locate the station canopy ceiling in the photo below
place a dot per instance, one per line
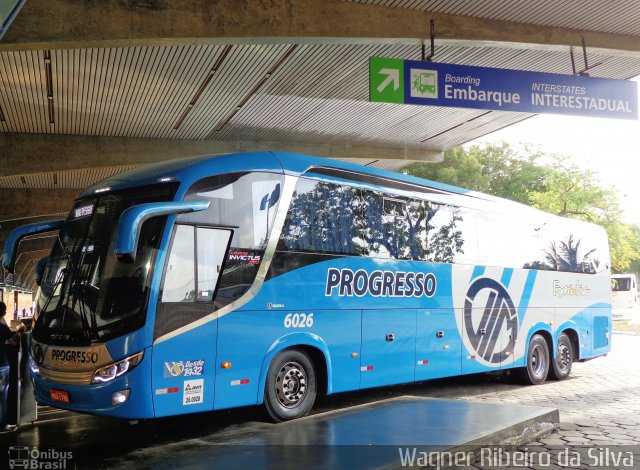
(69, 75)
(312, 91)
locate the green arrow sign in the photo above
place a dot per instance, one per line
(386, 80)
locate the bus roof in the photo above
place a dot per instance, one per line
(187, 171)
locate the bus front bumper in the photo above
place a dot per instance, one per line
(101, 399)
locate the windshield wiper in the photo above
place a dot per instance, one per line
(73, 286)
(91, 329)
(57, 283)
(78, 296)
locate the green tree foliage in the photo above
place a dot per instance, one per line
(635, 236)
(572, 192)
(459, 168)
(552, 183)
(492, 169)
(576, 193)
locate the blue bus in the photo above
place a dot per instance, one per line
(268, 278)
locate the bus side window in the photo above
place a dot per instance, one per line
(212, 248)
(179, 281)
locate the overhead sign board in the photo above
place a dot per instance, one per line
(8, 11)
(462, 86)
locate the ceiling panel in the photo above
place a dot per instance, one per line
(68, 179)
(318, 98)
(307, 93)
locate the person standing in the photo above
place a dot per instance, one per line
(5, 334)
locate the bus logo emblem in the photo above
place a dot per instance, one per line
(38, 354)
(499, 314)
(174, 369)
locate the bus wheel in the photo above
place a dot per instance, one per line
(291, 386)
(537, 369)
(561, 367)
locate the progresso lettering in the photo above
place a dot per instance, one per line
(82, 357)
(346, 283)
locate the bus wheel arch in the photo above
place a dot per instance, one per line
(575, 342)
(565, 355)
(538, 358)
(320, 366)
(313, 345)
(291, 385)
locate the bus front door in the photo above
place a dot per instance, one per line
(185, 329)
(183, 374)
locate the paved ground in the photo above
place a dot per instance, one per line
(599, 409)
(599, 406)
(600, 402)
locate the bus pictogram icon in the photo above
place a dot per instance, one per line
(19, 457)
(424, 83)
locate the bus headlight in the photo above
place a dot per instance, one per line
(33, 366)
(110, 372)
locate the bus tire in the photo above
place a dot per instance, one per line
(537, 368)
(561, 366)
(290, 389)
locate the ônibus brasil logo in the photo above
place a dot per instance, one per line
(498, 315)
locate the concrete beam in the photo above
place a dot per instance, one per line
(18, 203)
(34, 153)
(54, 24)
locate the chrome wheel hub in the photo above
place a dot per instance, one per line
(291, 385)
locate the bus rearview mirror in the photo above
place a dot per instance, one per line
(131, 220)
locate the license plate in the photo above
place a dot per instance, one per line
(60, 395)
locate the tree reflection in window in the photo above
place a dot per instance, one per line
(568, 256)
(323, 218)
(338, 219)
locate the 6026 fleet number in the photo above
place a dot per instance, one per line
(298, 320)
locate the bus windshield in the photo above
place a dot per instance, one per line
(87, 295)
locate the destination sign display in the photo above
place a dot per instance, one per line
(462, 86)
